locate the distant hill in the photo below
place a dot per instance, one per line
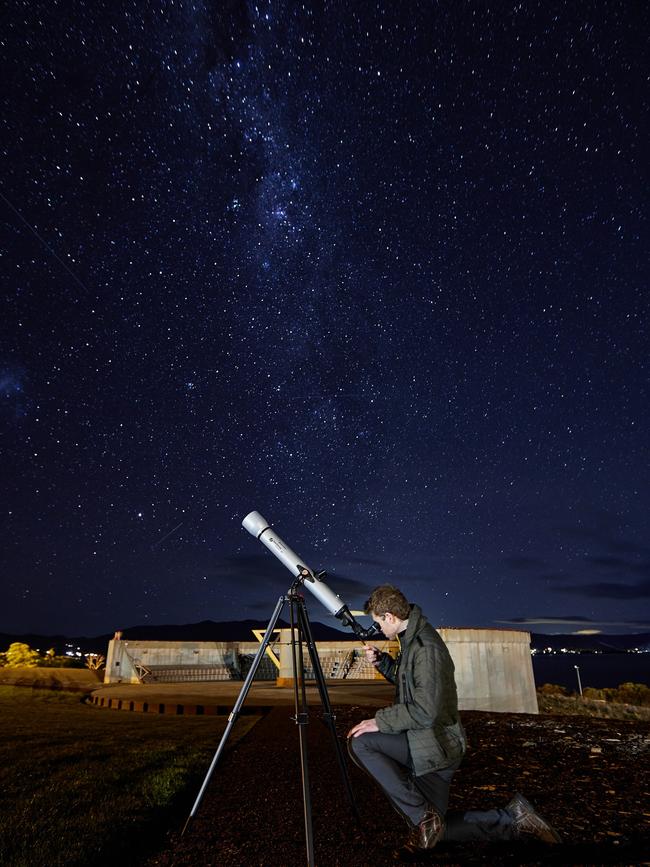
(228, 630)
(206, 630)
(60, 643)
(242, 630)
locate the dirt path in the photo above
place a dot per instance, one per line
(589, 777)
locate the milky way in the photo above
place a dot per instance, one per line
(375, 270)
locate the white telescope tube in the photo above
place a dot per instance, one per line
(259, 527)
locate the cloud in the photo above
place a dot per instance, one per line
(261, 569)
(368, 561)
(608, 562)
(567, 619)
(605, 535)
(575, 620)
(343, 585)
(524, 563)
(609, 590)
(610, 543)
(263, 605)
(620, 565)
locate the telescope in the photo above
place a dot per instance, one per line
(300, 634)
(260, 528)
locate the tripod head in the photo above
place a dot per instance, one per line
(259, 527)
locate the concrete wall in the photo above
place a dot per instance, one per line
(494, 668)
(129, 661)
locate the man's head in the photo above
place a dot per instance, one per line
(389, 607)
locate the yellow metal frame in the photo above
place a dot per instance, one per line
(259, 634)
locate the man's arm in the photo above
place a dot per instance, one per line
(386, 665)
(383, 662)
(420, 706)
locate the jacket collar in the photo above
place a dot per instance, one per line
(416, 621)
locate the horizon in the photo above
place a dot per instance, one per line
(342, 630)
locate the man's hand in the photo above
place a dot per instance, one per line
(366, 725)
(372, 653)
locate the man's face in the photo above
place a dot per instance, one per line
(390, 625)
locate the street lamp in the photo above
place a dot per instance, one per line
(578, 676)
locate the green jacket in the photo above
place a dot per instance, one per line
(426, 704)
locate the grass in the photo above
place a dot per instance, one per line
(577, 706)
(51, 678)
(81, 786)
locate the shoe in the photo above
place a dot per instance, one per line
(528, 823)
(425, 835)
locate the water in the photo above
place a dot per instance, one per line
(596, 669)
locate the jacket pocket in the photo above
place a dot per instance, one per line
(427, 752)
(452, 740)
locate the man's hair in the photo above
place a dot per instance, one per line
(387, 599)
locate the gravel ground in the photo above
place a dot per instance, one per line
(588, 777)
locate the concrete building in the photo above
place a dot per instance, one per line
(494, 669)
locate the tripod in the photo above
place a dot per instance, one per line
(300, 633)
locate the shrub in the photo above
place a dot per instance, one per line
(60, 662)
(95, 661)
(594, 694)
(553, 689)
(631, 693)
(21, 654)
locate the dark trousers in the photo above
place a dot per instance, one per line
(386, 758)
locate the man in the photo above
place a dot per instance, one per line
(413, 747)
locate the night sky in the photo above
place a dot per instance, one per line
(377, 270)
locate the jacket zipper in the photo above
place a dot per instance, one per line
(403, 690)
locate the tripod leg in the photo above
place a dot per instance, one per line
(328, 716)
(302, 718)
(232, 719)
